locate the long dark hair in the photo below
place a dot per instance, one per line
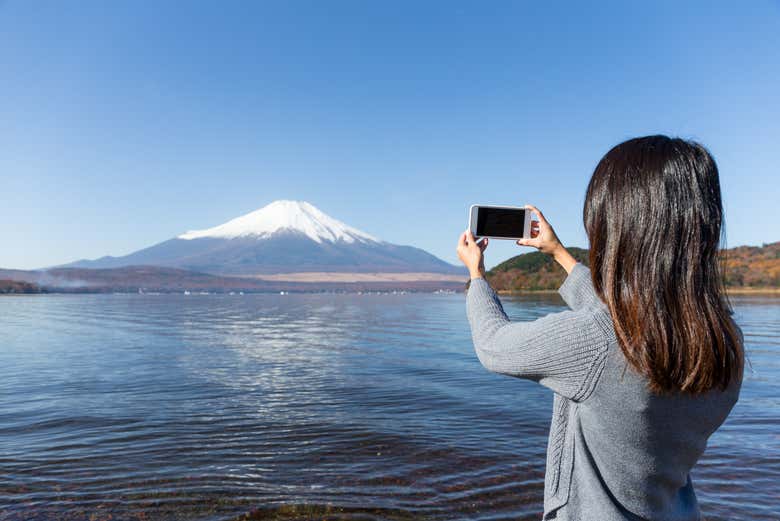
(653, 215)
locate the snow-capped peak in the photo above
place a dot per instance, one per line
(284, 215)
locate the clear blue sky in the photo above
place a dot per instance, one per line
(123, 124)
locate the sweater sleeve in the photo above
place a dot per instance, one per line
(563, 351)
(577, 290)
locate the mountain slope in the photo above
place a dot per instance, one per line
(282, 237)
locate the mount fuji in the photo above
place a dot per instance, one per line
(283, 237)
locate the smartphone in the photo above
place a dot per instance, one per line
(500, 222)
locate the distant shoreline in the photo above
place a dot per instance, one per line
(350, 277)
(753, 291)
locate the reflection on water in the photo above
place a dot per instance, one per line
(307, 406)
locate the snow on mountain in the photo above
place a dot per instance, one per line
(282, 237)
(284, 215)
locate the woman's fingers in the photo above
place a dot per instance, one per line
(537, 212)
(468, 240)
(535, 229)
(470, 251)
(533, 243)
(463, 248)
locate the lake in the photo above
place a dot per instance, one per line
(220, 407)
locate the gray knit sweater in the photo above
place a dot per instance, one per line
(616, 451)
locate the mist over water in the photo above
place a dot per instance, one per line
(308, 406)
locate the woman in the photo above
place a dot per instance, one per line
(648, 362)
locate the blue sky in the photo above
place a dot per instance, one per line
(123, 124)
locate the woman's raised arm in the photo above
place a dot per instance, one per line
(563, 351)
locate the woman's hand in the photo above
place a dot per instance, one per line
(544, 239)
(543, 236)
(470, 253)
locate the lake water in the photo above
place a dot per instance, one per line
(169, 407)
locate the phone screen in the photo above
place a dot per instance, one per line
(500, 222)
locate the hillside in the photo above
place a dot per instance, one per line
(745, 267)
(532, 271)
(9, 287)
(753, 266)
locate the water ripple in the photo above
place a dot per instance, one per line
(307, 407)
